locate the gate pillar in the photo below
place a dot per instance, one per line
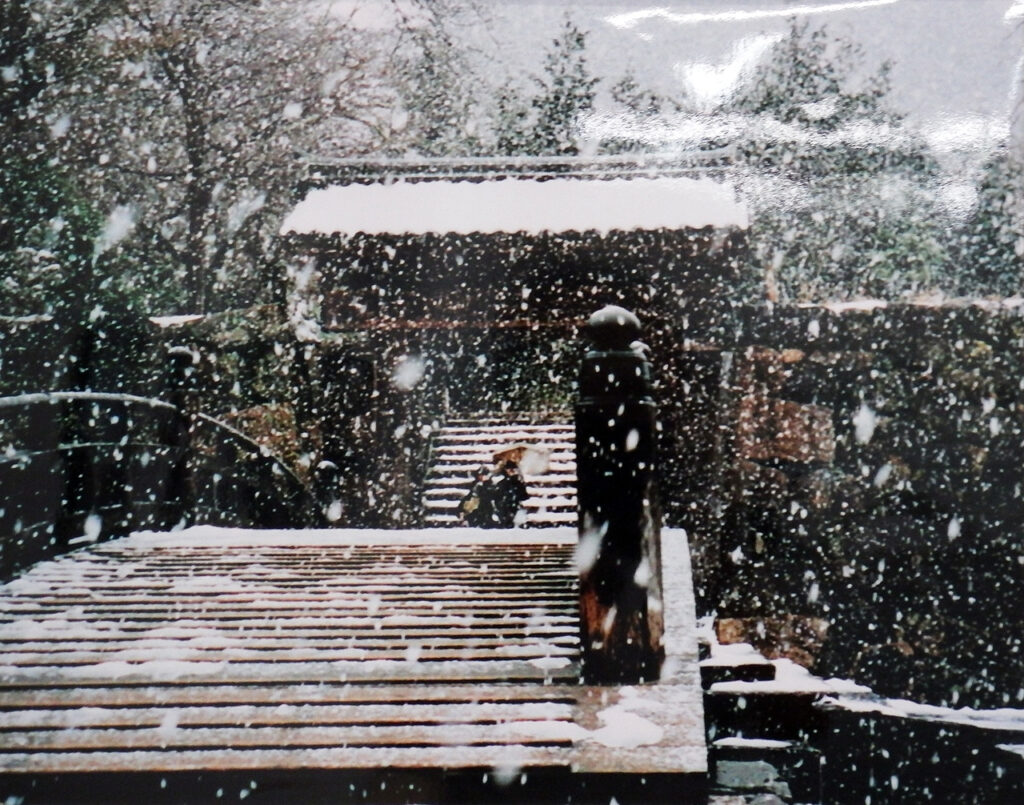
(618, 554)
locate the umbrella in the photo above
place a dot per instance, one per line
(533, 459)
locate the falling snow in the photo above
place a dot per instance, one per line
(268, 270)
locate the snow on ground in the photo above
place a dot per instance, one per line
(1003, 719)
(751, 743)
(789, 677)
(173, 321)
(792, 678)
(844, 693)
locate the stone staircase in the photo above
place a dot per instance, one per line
(462, 445)
(778, 735)
(763, 733)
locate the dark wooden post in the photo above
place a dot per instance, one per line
(182, 369)
(619, 525)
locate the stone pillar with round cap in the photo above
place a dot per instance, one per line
(619, 524)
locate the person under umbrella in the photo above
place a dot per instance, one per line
(477, 506)
(509, 494)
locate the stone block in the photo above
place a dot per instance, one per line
(770, 429)
(794, 637)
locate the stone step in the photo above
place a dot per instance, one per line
(459, 484)
(534, 519)
(482, 454)
(774, 715)
(463, 445)
(919, 752)
(563, 472)
(540, 420)
(503, 430)
(550, 504)
(479, 446)
(537, 488)
(740, 666)
(444, 460)
(744, 766)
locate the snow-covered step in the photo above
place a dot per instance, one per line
(485, 453)
(509, 422)
(495, 434)
(460, 476)
(537, 519)
(559, 503)
(483, 443)
(463, 445)
(464, 469)
(534, 488)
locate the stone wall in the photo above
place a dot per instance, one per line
(861, 467)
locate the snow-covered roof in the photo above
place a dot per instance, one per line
(518, 205)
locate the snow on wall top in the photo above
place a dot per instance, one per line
(517, 205)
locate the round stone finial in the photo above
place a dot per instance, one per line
(613, 328)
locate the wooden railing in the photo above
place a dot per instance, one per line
(77, 467)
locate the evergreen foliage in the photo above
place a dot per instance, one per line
(566, 92)
(46, 239)
(434, 83)
(547, 123)
(835, 214)
(816, 79)
(989, 250)
(643, 113)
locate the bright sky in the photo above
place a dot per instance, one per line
(956, 63)
(679, 17)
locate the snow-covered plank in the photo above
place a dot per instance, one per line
(541, 583)
(550, 732)
(212, 613)
(354, 583)
(163, 569)
(274, 589)
(347, 758)
(297, 694)
(679, 608)
(467, 712)
(208, 642)
(30, 627)
(372, 597)
(644, 729)
(178, 672)
(150, 674)
(404, 651)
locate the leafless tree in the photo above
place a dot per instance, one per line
(190, 121)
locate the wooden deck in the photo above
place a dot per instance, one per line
(216, 651)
